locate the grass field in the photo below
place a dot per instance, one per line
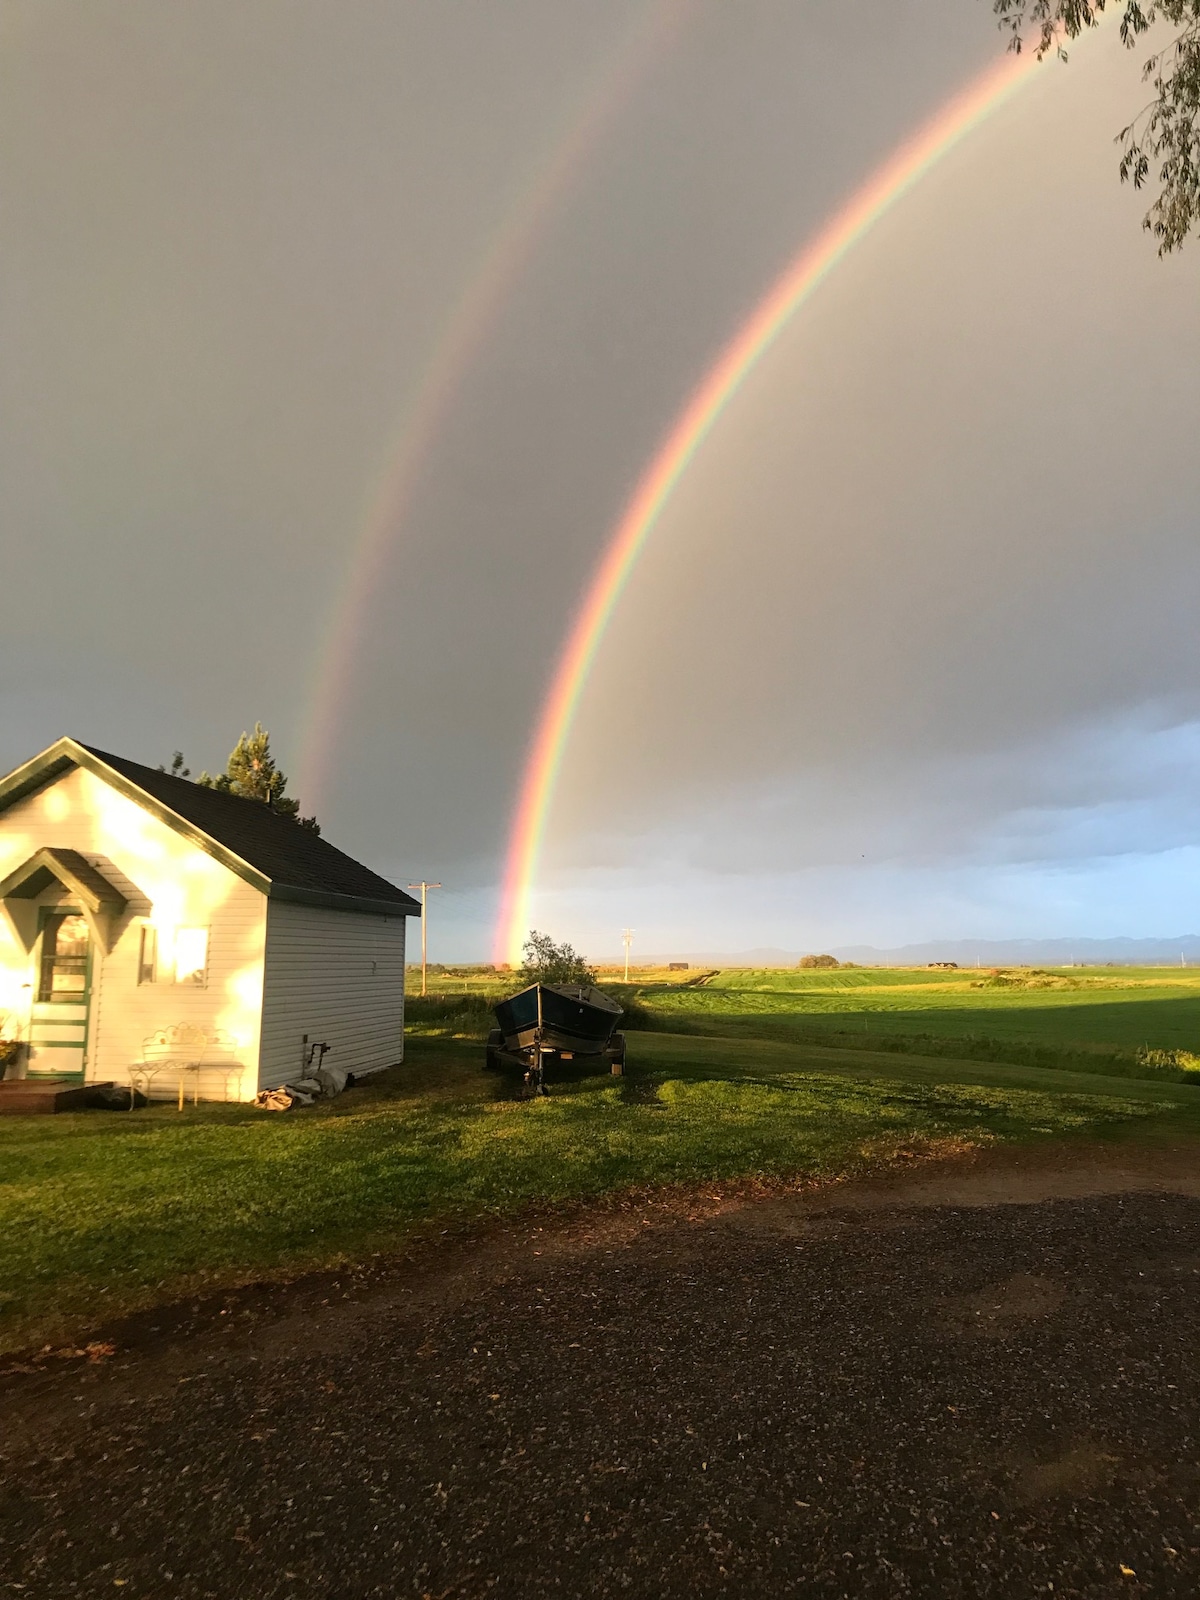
(1132, 1016)
(1074, 1007)
(1142, 1022)
(748, 1076)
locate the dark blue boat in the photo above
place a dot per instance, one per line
(551, 1023)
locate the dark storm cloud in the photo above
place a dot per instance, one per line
(925, 604)
(228, 232)
(231, 233)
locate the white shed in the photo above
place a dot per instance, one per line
(138, 909)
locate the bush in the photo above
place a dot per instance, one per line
(634, 1014)
(469, 1014)
(547, 962)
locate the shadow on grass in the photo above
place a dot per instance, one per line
(1139, 1043)
(116, 1211)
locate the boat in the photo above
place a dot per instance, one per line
(548, 1024)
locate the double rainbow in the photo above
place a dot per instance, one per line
(887, 185)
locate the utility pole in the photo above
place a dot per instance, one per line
(424, 888)
(626, 940)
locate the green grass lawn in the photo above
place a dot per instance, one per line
(103, 1213)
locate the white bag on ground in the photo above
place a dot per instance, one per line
(323, 1084)
(273, 1100)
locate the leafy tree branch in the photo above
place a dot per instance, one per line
(548, 962)
(1161, 143)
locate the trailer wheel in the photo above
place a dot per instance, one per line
(616, 1055)
(491, 1060)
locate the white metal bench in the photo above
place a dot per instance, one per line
(184, 1048)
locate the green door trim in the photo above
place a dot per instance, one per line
(36, 1023)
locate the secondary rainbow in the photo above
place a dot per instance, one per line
(888, 184)
(463, 333)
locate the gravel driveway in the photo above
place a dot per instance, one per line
(915, 1387)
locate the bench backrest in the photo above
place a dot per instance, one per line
(188, 1045)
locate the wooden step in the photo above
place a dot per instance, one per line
(34, 1097)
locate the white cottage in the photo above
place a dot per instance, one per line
(139, 910)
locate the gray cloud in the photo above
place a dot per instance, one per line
(948, 533)
(924, 606)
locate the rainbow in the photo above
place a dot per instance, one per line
(887, 185)
(463, 332)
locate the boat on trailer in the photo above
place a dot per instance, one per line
(549, 1024)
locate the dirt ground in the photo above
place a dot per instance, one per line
(979, 1377)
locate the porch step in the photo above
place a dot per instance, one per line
(32, 1097)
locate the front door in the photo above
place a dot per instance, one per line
(58, 1025)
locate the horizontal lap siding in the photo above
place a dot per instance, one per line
(170, 882)
(227, 1004)
(337, 976)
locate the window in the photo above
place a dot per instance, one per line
(191, 956)
(148, 959)
(63, 976)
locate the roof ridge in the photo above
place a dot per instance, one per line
(269, 849)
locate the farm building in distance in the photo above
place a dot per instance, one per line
(151, 927)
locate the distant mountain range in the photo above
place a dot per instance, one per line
(966, 952)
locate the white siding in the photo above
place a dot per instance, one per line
(337, 976)
(169, 883)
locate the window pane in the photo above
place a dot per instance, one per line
(71, 939)
(191, 955)
(148, 960)
(64, 958)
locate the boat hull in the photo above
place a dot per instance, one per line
(565, 1020)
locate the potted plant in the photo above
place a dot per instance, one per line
(10, 1045)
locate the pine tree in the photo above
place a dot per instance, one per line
(252, 773)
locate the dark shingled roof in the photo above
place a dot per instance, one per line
(281, 850)
(296, 863)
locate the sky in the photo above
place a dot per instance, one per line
(911, 653)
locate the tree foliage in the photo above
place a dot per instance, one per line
(827, 962)
(252, 773)
(1162, 143)
(548, 962)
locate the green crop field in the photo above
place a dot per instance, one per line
(1090, 1008)
(1067, 1014)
